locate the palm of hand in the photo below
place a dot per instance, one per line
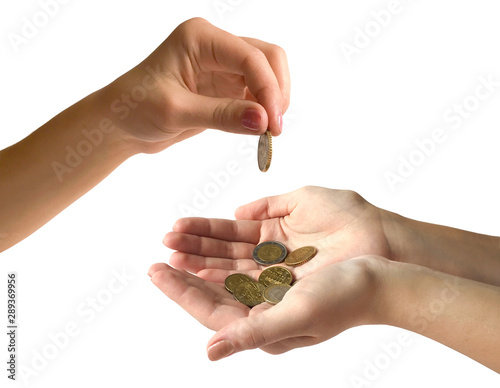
(340, 224)
(159, 120)
(303, 317)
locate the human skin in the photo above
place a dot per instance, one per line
(199, 77)
(459, 313)
(404, 291)
(341, 224)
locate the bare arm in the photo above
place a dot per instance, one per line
(457, 252)
(55, 165)
(200, 77)
(459, 313)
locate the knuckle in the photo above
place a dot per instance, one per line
(170, 108)
(277, 52)
(308, 189)
(253, 59)
(218, 114)
(191, 24)
(223, 115)
(251, 338)
(353, 196)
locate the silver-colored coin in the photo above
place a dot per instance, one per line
(269, 252)
(275, 293)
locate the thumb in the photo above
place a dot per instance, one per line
(227, 114)
(267, 208)
(250, 333)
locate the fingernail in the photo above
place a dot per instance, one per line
(280, 121)
(220, 350)
(250, 119)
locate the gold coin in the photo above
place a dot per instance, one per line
(236, 278)
(249, 293)
(269, 252)
(265, 151)
(275, 275)
(300, 256)
(275, 293)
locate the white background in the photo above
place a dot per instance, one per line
(347, 125)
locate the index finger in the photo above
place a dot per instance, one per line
(220, 50)
(227, 230)
(276, 57)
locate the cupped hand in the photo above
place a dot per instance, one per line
(201, 77)
(318, 307)
(340, 224)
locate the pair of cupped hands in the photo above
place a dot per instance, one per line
(337, 289)
(212, 79)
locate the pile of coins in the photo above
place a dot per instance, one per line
(273, 282)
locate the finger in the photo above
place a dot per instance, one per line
(219, 50)
(197, 297)
(228, 230)
(258, 330)
(155, 268)
(267, 208)
(227, 114)
(289, 344)
(276, 57)
(206, 246)
(219, 275)
(196, 263)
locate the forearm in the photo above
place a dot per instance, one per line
(55, 165)
(454, 251)
(459, 313)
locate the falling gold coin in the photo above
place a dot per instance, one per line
(300, 256)
(265, 151)
(236, 278)
(249, 293)
(275, 293)
(275, 275)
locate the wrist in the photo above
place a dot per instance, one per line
(405, 237)
(109, 120)
(412, 297)
(102, 127)
(142, 110)
(454, 311)
(400, 288)
(376, 277)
